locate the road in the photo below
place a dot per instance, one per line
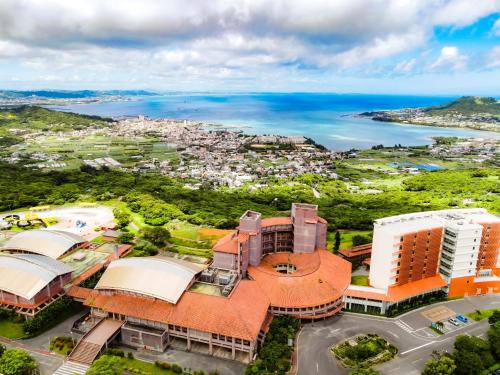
(408, 332)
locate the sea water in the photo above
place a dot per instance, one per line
(329, 119)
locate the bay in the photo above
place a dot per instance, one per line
(329, 119)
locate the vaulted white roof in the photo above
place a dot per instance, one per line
(51, 243)
(27, 274)
(159, 277)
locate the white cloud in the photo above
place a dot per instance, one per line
(496, 27)
(450, 58)
(493, 58)
(228, 39)
(405, 66)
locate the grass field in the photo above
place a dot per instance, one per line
(483, 314)
(346, 237)
(11, 330)
(361, 280)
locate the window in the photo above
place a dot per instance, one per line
(399, 263)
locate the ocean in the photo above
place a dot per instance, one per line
(329, 119)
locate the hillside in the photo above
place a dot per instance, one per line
(28, 119)
(467, 105)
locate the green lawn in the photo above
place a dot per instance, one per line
(361, 280)
(11, 330)
(346, 237)
(483, 314)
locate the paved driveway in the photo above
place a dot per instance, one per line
(409, 333)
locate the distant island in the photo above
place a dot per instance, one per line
(65, 97)
(471, 112)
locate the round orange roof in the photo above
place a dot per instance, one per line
(319, 278)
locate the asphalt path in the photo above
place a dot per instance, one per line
(409, 333)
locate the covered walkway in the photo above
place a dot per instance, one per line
(97, 339)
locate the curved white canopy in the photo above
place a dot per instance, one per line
(27, 274)
(51, 243)
(159, 277)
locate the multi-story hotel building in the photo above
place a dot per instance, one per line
(455, 251)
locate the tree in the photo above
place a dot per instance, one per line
(122, 218)
(17, 362)
(468, 363)
(477, 345)
(106, 365)
(126, 237)
(495, 317)
(360, 240)
(158, 236)
(494, 339)
(336, 244)
(364, 371)
(439, 364)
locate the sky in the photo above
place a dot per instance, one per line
(423, 47)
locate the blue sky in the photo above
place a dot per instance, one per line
(437, 47)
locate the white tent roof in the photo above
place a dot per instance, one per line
(159, 277)
(51, 243)
(26, 274)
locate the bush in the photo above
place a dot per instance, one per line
(130, 355)
(17, 362)
(176, 368)
(163, 365)
(126, 237)
(115, 352)
(50, 316)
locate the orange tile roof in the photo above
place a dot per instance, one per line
(79, 292)
(401, 292)
(243, 237)
(367, 294)
(321, 277)
(356, 250)
(413, 288)
(242, 315)
(227, 244)
(285, 220)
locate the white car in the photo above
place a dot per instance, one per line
(454, 321)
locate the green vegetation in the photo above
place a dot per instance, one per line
(52, 315)
(440, 364)
(116, 363)
(468, 105)
(359, 280)
(11, 324)
(62, 344)
(472, 355)
(364, 351)
(28, 119)
(17, 362)
(482, 314)
(274, 356)
(92, 281)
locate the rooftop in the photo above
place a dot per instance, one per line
(27, 274)
(51, 243)
(319, 277)
(241, 315)
(159, 277)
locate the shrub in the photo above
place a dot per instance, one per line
(176, 368)
(115, 352)
(130, 355)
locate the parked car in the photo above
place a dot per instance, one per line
(462, 318)
(454, 321)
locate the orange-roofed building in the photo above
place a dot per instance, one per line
(450, 252)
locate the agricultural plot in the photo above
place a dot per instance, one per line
(127, 151)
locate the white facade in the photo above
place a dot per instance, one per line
(459, 249)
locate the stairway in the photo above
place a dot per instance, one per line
(71, 368)
(85, 352)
